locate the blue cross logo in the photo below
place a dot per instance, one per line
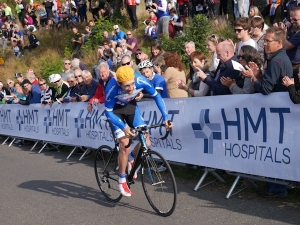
(201, 131)
(20, 120)
(79, 123)
(48, 121)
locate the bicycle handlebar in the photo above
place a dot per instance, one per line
(145, 128)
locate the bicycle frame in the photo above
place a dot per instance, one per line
(143, 149)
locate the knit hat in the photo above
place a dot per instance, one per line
(124, 74)
(25, 81)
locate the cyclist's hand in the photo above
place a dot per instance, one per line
(139, 96)
(168, 124)
(128, 132)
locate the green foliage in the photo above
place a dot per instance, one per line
(196, 30)
(97, 37)
(50, 66)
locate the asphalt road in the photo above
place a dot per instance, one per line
(48, 189)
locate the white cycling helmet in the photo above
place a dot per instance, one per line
(145, 64)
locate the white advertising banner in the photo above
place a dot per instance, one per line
(253, 134)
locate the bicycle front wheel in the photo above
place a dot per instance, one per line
(105, 166)
(159, 183)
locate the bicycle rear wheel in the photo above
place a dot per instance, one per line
(105, 166)
(159, 183)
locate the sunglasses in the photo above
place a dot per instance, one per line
(128, 34)
(126, 64)
(9, 83)
(42, 84)
(240, 57)
(238, 30)
(77, 76)
(138, 53)
(56, 81)
(67, 63)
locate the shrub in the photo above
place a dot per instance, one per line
(196, 30)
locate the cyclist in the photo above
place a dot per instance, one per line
(158, 81)
(121, 95)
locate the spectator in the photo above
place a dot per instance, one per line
(19, 77)
(3, 37)
(11, 85)
(33, 94)
(22, 7)
(160, 66)
(258, 35)
(67, 69)
(118, 37)
(150, 30)
(81, 6)
(18, 36)
(28, 21)
(292, 88)
(189, 48)
(163, 17)
(48, 7)
(72, 92)
(278, 64)
(156, 53)
(140, 56)
(152, 17)
(104, 77)
(157, 81)
(176, 21)
(196, 87)
(62, 19)
(104, 54)
(132, 42)
(254, 13)
(77, 64)
(271, 10)
(3, 90)
(241, 8)
(42, 14)
(105, 12)
(8, 13)
(89, 88)
(19, 94)
(223, 8)
(60, 86)
(16, 49)
(242, 28)
(18, 10)
(225, 52)
(33, 41)
(174, 70)
(80, 83)
(211, 45)
(107, 36)
(127, 61)
(77, 40)
(30, 75)
(94, 8)
(293, 43)
(122, 51)
(247, 54)
(131, 10)
(48, 94)
(73, 19)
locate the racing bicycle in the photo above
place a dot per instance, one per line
(156, 175)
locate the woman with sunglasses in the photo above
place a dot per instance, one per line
(140, 56)
(48, 94)
(244, 85)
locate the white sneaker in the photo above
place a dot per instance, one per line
(124, 189)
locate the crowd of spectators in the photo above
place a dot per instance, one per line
(269, 59)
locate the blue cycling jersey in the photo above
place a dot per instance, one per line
(114, 94)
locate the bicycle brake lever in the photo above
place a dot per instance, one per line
(167, 133)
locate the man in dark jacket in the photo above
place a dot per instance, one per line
(278, 64)
(33, 93)
(225, 52)
(33, 41)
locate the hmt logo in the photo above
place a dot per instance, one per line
(207, 131)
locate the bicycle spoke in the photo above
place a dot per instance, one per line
(105, 170)
(159, 183)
